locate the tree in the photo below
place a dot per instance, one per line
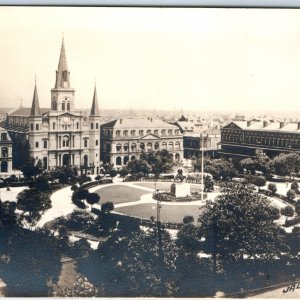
(138, 168)
(286, 164)
(188, 219)
(92, 198)
(239, 224)
(272, 188)
(249, 165)
(107, 207)
(295, 186)
(33, 203)
(208, 184)
(220, 169)
(259, 181)
(131, 265)
(8, 215)
(113, 173)
(31, 169)
(291, 195)
(123, 173)
(160, 161)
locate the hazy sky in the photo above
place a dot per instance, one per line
(163, 58)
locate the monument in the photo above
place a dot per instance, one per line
(180, 189)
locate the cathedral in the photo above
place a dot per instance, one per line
(60, 135)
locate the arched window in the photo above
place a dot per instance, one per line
(96, 142)
(68, 106)
(31, 126)
(125, 147)
(4, 152)
(177, 156)
(63, 105)
(156, 146)
(118, 161)
(119, 147)
(164, 145)
(149, 146)
(85, 143)
(45, 144)
(65, 141)
(126, 159)
(133, 147)
(142, 146)
(177, 145)
(171, 146)
(54, 105)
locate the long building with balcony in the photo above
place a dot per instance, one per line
(250, 138)
(5, 152)
(123, 140)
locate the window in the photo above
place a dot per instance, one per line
(54, 125)
(92, 125)
(141, 132)
(142, 146)
(163, 132)
(149, 146)
(171, 146)
(156, 146)
(3, 136)
(176, 131)
(97, 125)
(45, 144)
(164, 145)
(125, 147)
(85, 143)
(177, 145)
(133, 147)
(148, 131)
(37, 126)
(118, 161)
(119, 147)
(68, 106)
(132, 132)
(96, 142)
(31, 126)
(77, 125)
(156, 132)
(63, 105)
(36, 144)
(125, 133)
(4, 152)
(54, 105)
(170, 132)
(118, 133)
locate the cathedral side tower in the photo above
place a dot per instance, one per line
(94, 132)
(62, 95)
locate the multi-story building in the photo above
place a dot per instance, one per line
(60, 135)
(5, 152)
(249, 138)
(125, 139)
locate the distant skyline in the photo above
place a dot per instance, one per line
(155, 58)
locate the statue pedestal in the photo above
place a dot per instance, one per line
(180, 189)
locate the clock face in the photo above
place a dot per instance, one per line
(65, 119)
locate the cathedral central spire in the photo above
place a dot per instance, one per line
(95, 107)
(62, 73)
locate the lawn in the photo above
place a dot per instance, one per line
(168, 213)
(120, 194)
(165, 186)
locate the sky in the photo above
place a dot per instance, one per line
(202, 59)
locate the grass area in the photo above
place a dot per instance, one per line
(165, 186)
(168, 213)
(120, 194)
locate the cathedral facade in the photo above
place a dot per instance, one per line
(61, 135)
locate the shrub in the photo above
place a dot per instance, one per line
(272, 187)
(287, 211)
(188, 219)
(294, 186)
(291, 194)
(113, 173)
(292, 222)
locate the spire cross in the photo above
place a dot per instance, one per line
(35, 78)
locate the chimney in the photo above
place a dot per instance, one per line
(248, 123)
(281, 124)
(265, 124)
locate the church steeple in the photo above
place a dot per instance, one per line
(95, 107)
(35, 107)
(62, 73)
